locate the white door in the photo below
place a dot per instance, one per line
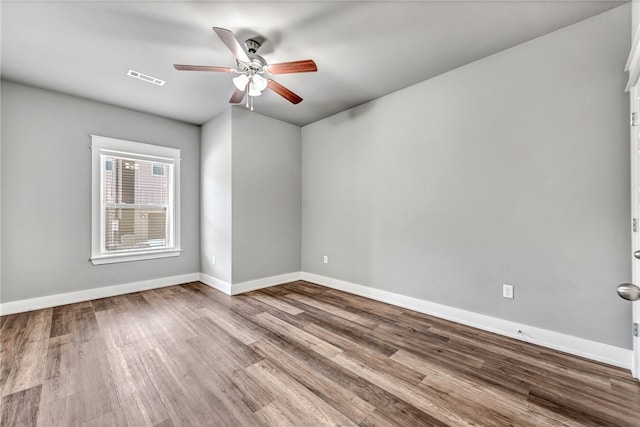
(635, 212)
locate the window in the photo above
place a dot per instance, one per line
(135, 200)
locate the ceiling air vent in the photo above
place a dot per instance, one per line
(145, 77)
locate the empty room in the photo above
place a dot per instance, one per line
(320, 213)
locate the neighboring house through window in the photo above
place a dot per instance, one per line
(135, 200)
(158, 169)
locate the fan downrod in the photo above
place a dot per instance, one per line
(254, 43)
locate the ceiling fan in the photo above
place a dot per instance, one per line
(254, 73)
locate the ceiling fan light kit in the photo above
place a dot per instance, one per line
(253, 70)
(241, 81)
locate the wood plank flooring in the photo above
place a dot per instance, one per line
(293, 355)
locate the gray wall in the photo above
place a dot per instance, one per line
(46, 192)
(635, 18)
(215, 197)
(513, 169)
(266, 196)
(250, 197)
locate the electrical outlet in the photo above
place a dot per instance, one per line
(325, 259)
(507, 291)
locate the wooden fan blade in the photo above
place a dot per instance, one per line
(283, 92)
(232, 43)
(304, 66)
(237, 96)
(183, 67)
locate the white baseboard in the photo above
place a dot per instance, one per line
(20, 306)
(600, 352)
(252, 285)
(218, 284)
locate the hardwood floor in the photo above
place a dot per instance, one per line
(293, 355)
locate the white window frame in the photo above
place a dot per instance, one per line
(105, 146)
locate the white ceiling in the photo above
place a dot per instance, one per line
(363, 49)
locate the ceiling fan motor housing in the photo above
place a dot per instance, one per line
(256, 65)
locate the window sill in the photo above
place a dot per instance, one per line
(133, 256)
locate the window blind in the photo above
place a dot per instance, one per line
(136, 204)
